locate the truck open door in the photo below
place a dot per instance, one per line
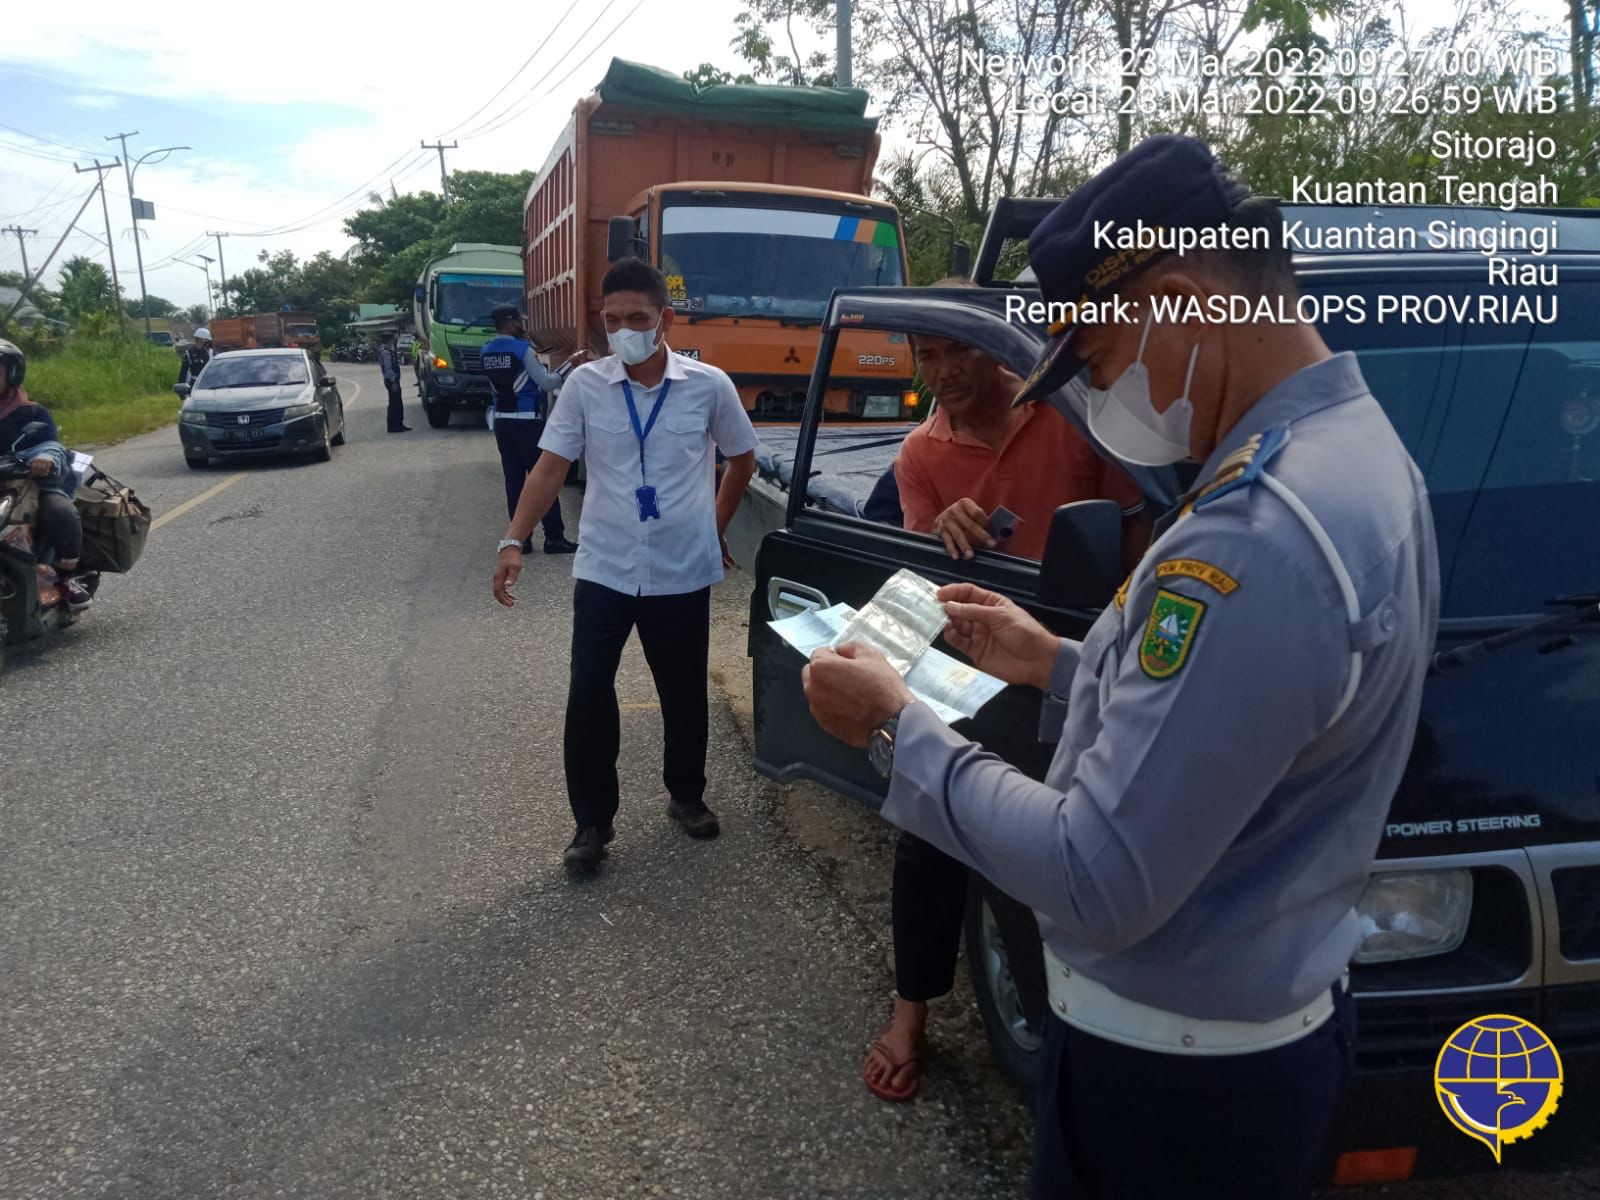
(830, 550)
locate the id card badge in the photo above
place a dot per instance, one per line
(648, 509)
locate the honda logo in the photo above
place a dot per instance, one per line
(244, 418)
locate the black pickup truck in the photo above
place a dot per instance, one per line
(1486, 895)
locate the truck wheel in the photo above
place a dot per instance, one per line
(438, 415)
(1005, 959)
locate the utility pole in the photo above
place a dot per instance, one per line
(27, 284)
(207, 259)
(444, 180)
(841, 70)
(21, 245)
(100, 170)
(222, 268)
(133, 210)
(138, 251)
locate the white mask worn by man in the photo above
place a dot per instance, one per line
(1127, 423)
(634, 346)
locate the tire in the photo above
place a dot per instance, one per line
(338, 438)
(197, 464)
(1005, 959)
(325, 452)
(438, 416)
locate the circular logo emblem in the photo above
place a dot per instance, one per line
(1498, 1079)
(1580, 416)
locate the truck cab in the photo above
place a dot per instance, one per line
(453, 298)
(1485, 897)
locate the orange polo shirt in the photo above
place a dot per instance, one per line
(1042, 464)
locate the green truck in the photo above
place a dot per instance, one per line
(453, 299)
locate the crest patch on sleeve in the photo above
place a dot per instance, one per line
(1193, 568)
(1168, 634)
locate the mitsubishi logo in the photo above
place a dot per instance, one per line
(244, 418)
(791, 356)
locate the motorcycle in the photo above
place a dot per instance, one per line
(32, 604)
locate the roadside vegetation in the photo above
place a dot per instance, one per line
(103, 389)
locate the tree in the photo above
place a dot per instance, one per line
(322, 285)
(85, 287)
(158, 307)
(195, 314)
(390, 227)
(755, 44)
(486, 206)
(706, 75)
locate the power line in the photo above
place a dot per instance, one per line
(498, 119)
(552, 87)
(545, 41)
(43, 200)
(78, 150)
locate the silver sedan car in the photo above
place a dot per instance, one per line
(260, 403)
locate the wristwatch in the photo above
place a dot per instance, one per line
(506, 543)
(880, 746)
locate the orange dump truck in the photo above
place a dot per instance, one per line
(232, 333)
(752, 201)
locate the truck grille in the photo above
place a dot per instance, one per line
(1577, 892)
(466, 358)
(230, 420)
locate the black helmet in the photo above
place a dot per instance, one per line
(504, 312)
(14, 362)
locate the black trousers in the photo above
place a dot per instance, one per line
(397, 408)
(675, 632)
(1115, 1123)
(928, 904)
(519, 451)
(60, 531)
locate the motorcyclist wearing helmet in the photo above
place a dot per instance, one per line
(28, 431)
(195, 356)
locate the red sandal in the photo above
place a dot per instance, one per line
(882, 1090)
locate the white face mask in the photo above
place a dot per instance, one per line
(1127, 423)
(634, 346)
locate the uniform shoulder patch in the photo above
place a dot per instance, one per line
(1168, 633)
(1243, 467)
(1193, 568)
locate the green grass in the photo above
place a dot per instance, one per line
(102, 390)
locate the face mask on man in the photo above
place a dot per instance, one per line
(634, 346)
(1125, 421)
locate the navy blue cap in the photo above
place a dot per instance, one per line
(504, 312)
(1165, 181)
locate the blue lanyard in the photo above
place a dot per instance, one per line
(633, 415)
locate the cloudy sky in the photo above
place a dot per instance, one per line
(292, 119)
(292, 114)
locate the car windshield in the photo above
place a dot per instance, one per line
(469, 299)
(267, 370)
(721, 260)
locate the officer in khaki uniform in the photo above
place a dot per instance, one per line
(1231, 729)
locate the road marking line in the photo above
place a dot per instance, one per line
(196, 501)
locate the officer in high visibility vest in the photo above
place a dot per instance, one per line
(1230, 731)
(523, 389)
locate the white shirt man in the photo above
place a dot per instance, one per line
(647, 422)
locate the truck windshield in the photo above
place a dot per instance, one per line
(469, 299)
(723, 260)
(304, 331)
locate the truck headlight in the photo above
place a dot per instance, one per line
(1413, 914)
(191, 416)
(439, 364)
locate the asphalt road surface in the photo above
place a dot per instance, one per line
(281, 909)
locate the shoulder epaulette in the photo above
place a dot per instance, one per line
(1244, 466)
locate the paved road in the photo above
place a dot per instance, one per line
(280, 904)
(280, 908)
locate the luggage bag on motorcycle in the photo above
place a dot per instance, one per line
(115, 524)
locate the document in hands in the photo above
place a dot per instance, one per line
(901, 621)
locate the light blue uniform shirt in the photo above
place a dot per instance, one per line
(680, 551)
(1203, 834)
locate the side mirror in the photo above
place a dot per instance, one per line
(328, 381)
(960, 260)
(182, 389)
(622, 239)
(1083, 556)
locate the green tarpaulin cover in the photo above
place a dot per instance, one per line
(637, 85)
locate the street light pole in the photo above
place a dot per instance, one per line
(207, 268)
(133, 211)
(222, 268)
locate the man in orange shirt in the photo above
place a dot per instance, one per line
(975, 454)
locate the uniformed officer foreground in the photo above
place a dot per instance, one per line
(389, 364)
(523, 393)
(647, 421)
(1230, 731)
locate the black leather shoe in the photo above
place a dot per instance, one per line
(697, 820)
(560, 546)
(608, 834)
(401, 429)
(587, 849)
